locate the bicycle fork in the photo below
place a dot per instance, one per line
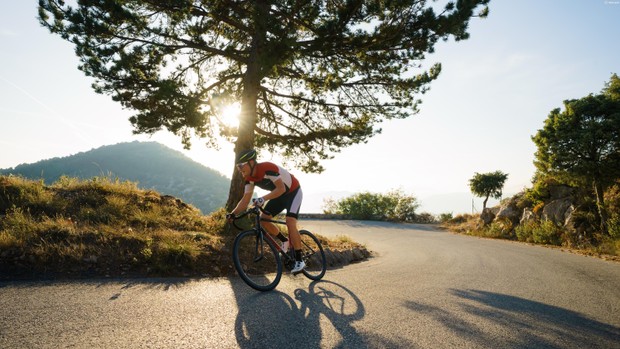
(259, 252)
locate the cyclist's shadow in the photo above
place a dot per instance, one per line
(275, 320)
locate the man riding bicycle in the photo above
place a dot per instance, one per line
(284, 194)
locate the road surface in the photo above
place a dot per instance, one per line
(424, 289)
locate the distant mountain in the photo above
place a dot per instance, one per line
(150, 164)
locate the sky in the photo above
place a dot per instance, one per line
(494, 93)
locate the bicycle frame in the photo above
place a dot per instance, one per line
(262, 233)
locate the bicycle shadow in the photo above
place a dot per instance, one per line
(323, 315)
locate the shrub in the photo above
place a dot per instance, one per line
(425, 218)
(393, 206)
(499, 229)
(524, 232)
(613, 226)
(445, 217)
(547, 232)
(609, 246)
(367, 206)
(540, 232)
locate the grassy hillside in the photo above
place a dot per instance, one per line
(150, 164)
(106, 227)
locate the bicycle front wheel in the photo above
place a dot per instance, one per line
(257, 261)
(313, 255)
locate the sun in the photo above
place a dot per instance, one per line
(229, 115)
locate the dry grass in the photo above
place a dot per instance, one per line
(107, 227)
(540, 233)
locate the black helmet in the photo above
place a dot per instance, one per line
(246, 156)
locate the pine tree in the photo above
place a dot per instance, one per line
(312, 77)
(580, 145)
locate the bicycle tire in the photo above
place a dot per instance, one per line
(313, 255)
(264, 274)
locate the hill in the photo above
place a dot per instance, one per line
(150, 164)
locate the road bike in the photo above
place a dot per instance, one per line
(259, 259)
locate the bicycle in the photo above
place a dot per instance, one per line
(258, 258)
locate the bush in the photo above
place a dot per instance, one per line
(609, 246)
(499, 229)
(545, 232)
(524, 231)
(445, 217)
(613, 226)
(393, 206)
(425, 218)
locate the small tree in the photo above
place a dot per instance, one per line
(488, 185)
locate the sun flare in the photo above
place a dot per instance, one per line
(229, 115)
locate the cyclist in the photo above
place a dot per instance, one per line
(284, 194)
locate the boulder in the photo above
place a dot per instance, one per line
(508, 210)
(527, 216)
(558, 211)
(488, 215)
(572, 224)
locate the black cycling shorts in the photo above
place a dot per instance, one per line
(291, 202)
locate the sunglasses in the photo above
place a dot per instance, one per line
(240, 166)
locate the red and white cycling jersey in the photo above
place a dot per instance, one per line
(265, 176)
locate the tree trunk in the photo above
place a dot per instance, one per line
(484, 203)
(600, 204)
(249, 97)
(245, 138)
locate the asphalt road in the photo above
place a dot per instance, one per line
(424, 289)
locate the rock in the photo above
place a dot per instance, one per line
(570, 222)
(487, 215)
(558, 211)
(338, 258)
(357, 254)
(508, 210)
(527, 216)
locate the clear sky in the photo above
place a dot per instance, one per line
(493, 94)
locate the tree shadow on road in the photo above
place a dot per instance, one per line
(321, 316)
(522, 323)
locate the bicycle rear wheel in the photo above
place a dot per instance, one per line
(313, 255)
(257, 261)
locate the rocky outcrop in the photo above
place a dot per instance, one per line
(509, 210)
(560, 209)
